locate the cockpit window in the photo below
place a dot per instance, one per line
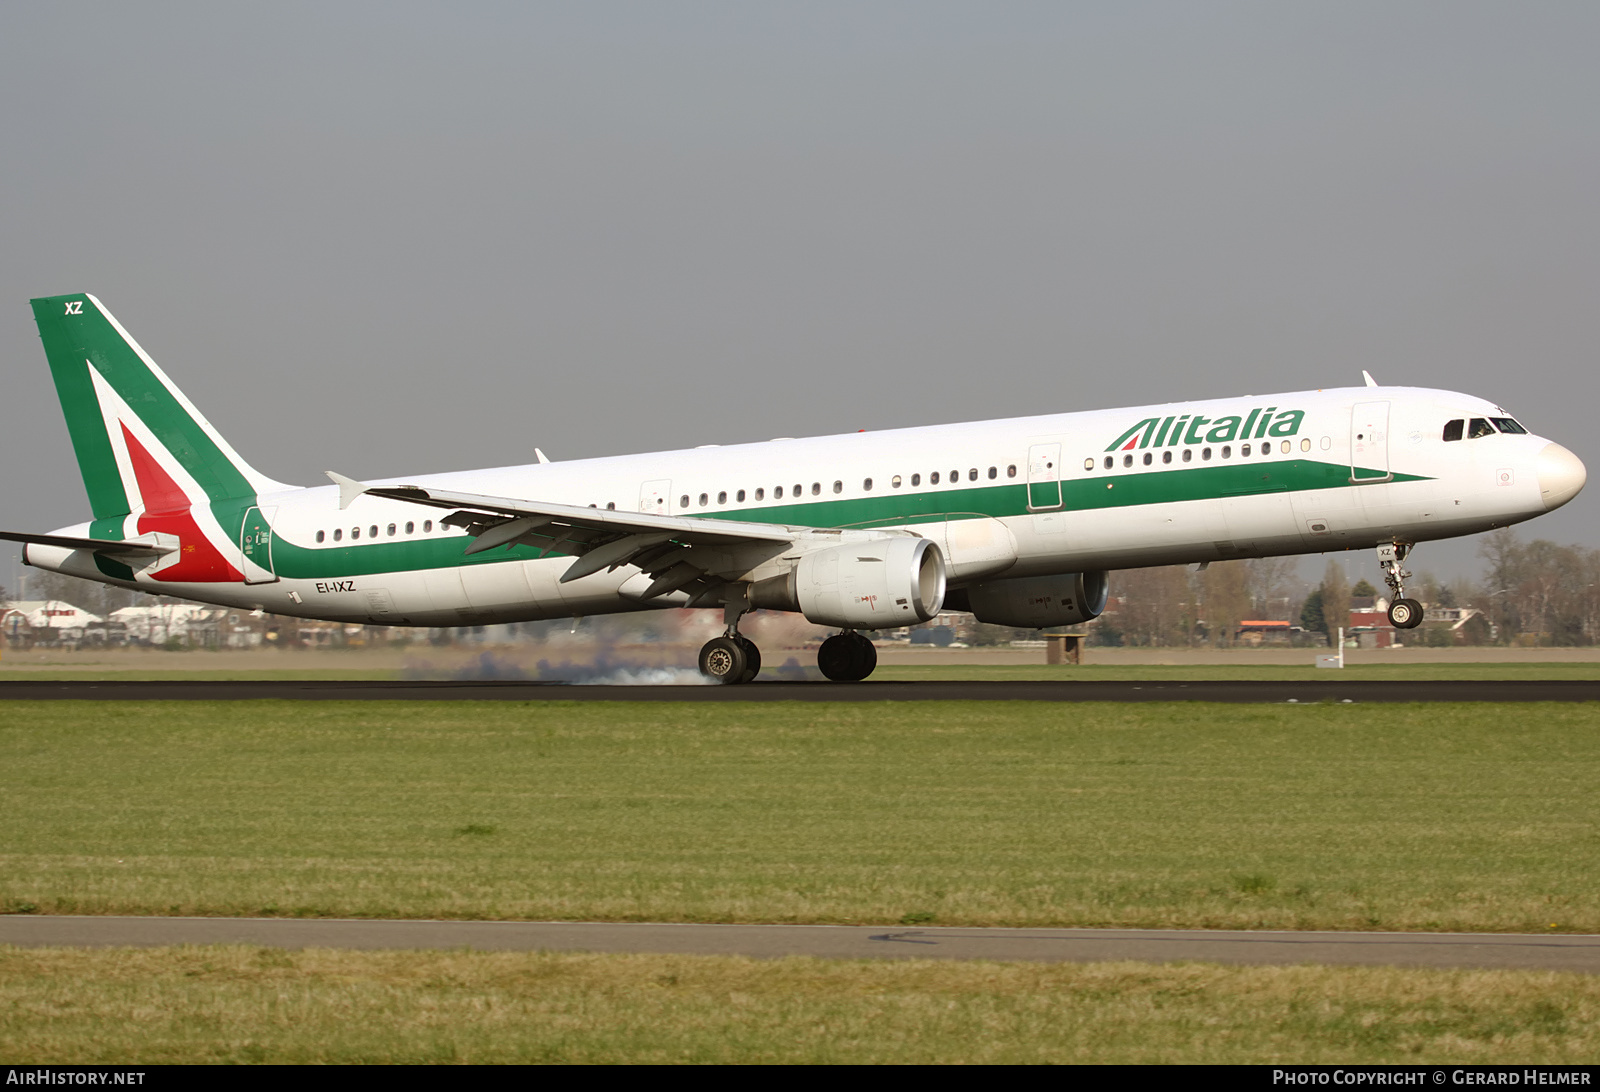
(1452, 429)
(1479, 428)
(1507, 425)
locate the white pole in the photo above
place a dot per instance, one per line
(1341, 646)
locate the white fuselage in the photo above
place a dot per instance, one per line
(1021, 497)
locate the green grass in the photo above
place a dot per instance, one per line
(239, 1004)
(1448, 816)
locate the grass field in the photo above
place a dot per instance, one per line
(1470, 816)
(241, 1004)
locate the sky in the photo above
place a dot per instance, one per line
(398, 238)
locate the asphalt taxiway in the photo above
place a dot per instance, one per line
(1306, 691)
(1507, 951)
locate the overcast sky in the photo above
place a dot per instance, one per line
(396, 238)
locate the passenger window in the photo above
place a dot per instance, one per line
(797, 489)
(761, 494)
(1205, 455)
(1088, 464)
(411, 528)
(1479, 429)
(1188, 455)
(1166, 456)
(838, 487)
(955, 476)
(1110, 462)
(683, 501)
(916, 480)
(866, 485)
(1305, 445)
(1127, 460)
(933, 479)
(321, 535)
(895, 481)
(739, 496)
(1285, 447)
(993, 473)
(1011, 471)
(1244, 451)
(704, 499)
(427, 526)
(355, 533)
(722, 497)
(338, 533)
(816, 489)
(1227, 452)
(777, 494)
(972, 475)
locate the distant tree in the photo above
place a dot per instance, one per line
(92, 596)
(1312, 620)
(1224, 599)
(1272, 581)
(1335, 599)
(1363, 588)
(1154, 606)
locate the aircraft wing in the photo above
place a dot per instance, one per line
(676, 551)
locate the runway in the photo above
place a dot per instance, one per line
(1308, 691)
(1580, 954)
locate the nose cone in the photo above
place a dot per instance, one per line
(1561, 476)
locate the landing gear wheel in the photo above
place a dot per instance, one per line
(724, 660)
(847, 657)
(1405, 614)
(752, 656)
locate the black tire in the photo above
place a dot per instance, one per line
(752, 656)
(847, 657)
(723, 660)
(1405, 614)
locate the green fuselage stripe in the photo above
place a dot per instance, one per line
(1127, 490)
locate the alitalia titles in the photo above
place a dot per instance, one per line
(1199, 429)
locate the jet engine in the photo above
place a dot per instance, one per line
(1035, 601)
(875, 584)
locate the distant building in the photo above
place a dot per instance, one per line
(48, 621)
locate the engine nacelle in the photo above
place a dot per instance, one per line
(869, 585)
(1033, 602)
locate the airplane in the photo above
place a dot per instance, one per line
(1016, 521)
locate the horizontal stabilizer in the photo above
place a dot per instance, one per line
(111, 547)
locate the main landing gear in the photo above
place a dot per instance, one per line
(734, 658)
(847, 657)
(1403, 613)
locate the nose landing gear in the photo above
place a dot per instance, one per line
(1403, 613)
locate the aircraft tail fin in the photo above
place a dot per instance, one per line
(141, 445)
